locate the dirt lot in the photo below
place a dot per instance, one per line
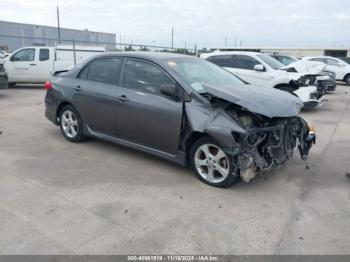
(94, 197)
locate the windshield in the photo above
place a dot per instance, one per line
(271, 61)
(198, 73)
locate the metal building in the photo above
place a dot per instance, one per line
(298, 52)
(16, 35)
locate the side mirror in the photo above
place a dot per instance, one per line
(168, 90)
(259, 68)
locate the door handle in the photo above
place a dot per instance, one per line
(123, 98)
(77, 88)
(32, 64)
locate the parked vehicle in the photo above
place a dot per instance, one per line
(345, 59)
(36, 64)
(284, 59)
(181, 108)
(314, 73)
(3, 77)
(263, 70)
(336, 65)
(3, 54)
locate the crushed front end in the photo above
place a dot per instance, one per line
(268, 143)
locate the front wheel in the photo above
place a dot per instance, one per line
(11, 84)
(211, 164)
(71, 124)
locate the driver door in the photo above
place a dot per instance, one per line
(22, 66)
(143, 114)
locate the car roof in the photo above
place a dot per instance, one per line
(145, 55)
(231, 53)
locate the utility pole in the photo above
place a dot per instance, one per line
(172, 39)
(58, 26)
(240, 42)
(120, 42)
(225, 41)
(235, 41)
(185, 48)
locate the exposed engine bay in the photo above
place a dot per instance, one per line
(267, 142)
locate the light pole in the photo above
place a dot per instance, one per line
(58, 26)
(172, 39)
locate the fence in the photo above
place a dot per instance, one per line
(110, 46)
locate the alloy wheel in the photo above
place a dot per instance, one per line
(69, 124)
(211, 163)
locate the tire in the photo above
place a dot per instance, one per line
(347, 80)
(71, 124)
(217, 168)
(11, 85)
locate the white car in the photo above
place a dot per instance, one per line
(262, 69)
(315, 73)
(35, 64)
(336, 65)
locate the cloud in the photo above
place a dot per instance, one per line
(205, 22)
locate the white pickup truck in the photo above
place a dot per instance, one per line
(35, 64)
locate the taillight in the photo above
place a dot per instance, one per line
(47, 85)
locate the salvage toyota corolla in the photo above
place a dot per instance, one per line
(184, 109)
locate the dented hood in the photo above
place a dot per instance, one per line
(306, 67)
(265, 101)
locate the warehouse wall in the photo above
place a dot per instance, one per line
(25, 34)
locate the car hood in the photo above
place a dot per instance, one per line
(265, 101)
(306, 67)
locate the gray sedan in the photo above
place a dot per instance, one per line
(181, 108)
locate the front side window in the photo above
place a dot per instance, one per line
(270, 61)
(221, 60)
(245, 62)
(24, 55)
(145, 77)
(105, 70)
(44, 54)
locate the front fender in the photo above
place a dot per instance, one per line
(214, 122)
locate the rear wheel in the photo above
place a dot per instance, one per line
(71, 124)
(347, 80)
(211, 164)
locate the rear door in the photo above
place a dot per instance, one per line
(44, 64)
(144, 115)
(22, 65)
(95, 94)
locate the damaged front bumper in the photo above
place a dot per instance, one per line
(311, 96)
(265, 148)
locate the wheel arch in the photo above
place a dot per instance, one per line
(61, 106)
(191, 139)
(347, 75)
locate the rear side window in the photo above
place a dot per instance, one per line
(106, 70)
(84, 72)
(331, 61)
(221, 60)
(145, 77)
(244, 62)
(323, 60)
(44, 54)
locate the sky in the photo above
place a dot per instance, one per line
(207, 23)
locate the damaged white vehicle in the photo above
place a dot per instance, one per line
(314, 73)
(263, 70)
